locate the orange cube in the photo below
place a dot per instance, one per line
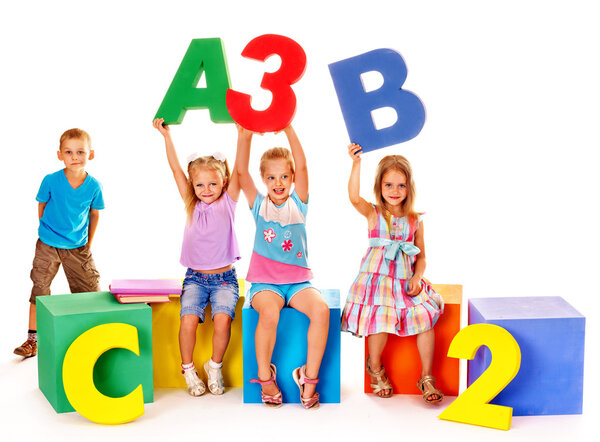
(401, 357)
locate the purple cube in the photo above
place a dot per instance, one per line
(551, 335)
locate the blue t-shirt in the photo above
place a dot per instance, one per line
(66, 216)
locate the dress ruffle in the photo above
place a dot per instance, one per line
(380, 304)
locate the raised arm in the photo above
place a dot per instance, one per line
(233, 189)
(301, 174)
(359, 203)
(178, 173)
(242, 161)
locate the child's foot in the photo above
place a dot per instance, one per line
(431, 394)
(215, 377)
(270, 393)
(379, 381)
(270, 389)
(195, 386)
(309, 391)
(307, 386)
(27, 349)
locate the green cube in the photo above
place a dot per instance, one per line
(63, 318)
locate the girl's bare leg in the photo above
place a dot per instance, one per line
(221, 335)
(376, 344)
(187, 337)
(425, 345)
(310, 302)
(268, 304)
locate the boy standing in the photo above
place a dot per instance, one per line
(69, 203)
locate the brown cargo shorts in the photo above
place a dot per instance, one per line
(78, 266)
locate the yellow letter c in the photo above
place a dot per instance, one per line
(78, 375)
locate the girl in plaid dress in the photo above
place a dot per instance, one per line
(389, 295)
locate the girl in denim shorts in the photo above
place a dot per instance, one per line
(209, 250)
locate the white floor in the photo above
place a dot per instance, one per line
(26, 415)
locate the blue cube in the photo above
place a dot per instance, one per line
(551, 335)
(290, 352)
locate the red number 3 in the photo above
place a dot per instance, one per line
(283, 105)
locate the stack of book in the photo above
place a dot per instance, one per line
(128, 291)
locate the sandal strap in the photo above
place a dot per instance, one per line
(427, 378)
(305, 379)
(381, 387)
(381, 384)
(271, 398)
(299, 375)
(268, 381)
(430, 390)
(311, 401)
(258, 381)
(378, 374)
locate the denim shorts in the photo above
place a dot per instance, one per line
(286, 291)
(221, 289)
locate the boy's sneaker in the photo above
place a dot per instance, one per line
(195, 385)
(216, 385)
(27, 349)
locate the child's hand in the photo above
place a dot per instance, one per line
(245, 132)
(162, 128)
(286, 129)
(355, 151)
(414, 285)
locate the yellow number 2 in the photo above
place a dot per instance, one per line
(78, 375)
(472, 406)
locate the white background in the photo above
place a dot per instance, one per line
(505, 168)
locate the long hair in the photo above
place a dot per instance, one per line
(399, 164)
(207, 162)
(276, 153)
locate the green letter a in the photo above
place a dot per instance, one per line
(204, 55)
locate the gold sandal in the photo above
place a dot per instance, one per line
(381, 385)
(430, 390)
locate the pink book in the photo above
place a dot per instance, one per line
(146, 286)
(129, 299)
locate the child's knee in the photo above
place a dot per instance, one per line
(269, 317)
(221, 323)
(189, 321)
(320, 313)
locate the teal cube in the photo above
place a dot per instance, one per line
(63, 318)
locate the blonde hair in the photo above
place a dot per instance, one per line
(276, 153)
(399, 164)
(207, 162)
(78, 134)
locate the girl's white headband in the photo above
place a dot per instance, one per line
(217, 156)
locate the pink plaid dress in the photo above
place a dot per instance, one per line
(378, 301)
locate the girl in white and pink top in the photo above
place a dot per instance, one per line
(209, 250)
(279, 270)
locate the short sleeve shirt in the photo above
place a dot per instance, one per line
(66, 219)
(209, 240)
(280, 254)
